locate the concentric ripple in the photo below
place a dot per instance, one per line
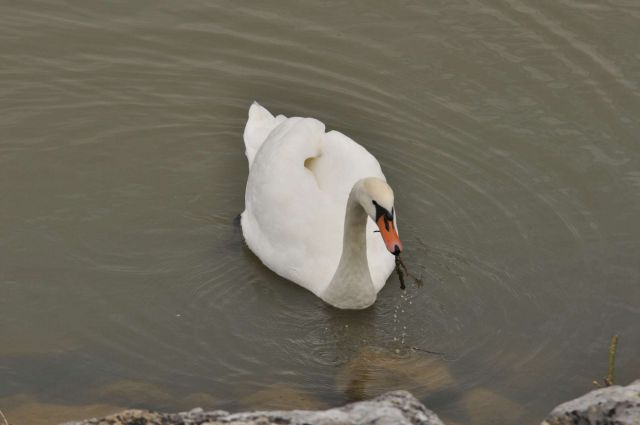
(508, 131)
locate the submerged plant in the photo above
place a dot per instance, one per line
(611, 370)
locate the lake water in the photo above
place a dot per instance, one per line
(508, 129)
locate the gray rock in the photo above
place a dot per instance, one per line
(393, 408)
(614, 405)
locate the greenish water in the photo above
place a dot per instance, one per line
(508, 129)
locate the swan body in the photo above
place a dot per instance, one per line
(312, 203)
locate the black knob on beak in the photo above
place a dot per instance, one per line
(396, 250)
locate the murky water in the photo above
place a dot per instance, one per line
(509, 130)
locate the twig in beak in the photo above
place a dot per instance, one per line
(399, 270)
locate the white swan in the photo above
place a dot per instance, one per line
(312, 203)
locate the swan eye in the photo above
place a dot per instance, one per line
(382, 212)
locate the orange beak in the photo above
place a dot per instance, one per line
(389, 235)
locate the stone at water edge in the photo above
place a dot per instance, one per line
(280, 396)
(374, 370)
(143, 393)
(488, 407)
(393, 408)
(615, 405)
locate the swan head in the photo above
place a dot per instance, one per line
(376, 198)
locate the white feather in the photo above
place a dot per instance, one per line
(294, 214)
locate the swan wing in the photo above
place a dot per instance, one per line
(292, 225)
(259, 124)
(299, 182)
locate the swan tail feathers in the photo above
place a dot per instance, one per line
(259, 125)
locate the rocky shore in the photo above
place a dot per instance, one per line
(393, 408)
(615, 405)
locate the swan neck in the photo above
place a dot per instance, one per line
(351, 286)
